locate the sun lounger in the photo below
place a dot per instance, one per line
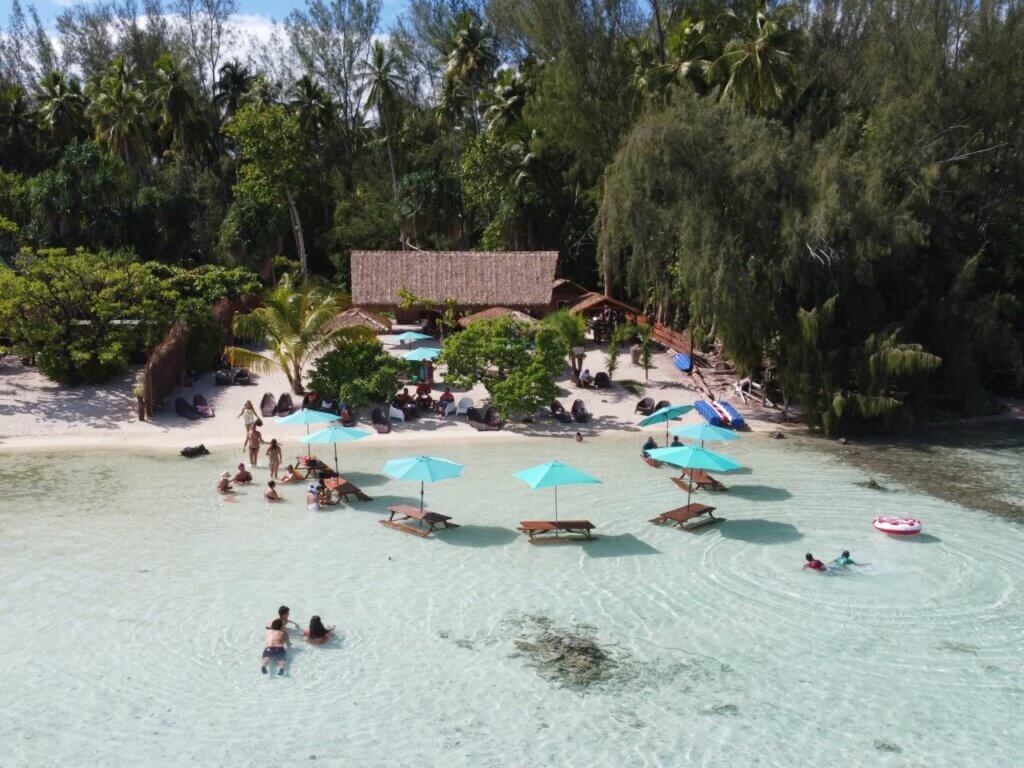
(268, 404)
(543, 531)
(464, 405)
(310, 400)
(184, 408)
(396, 413)
(558, 411)
(701, 514)
(222, 378)
(662, 404)
(380, 421)
(285, 405)
(645, 406)
(484, 420)
(424, 516)
(601, 380)
(579, 412)
(451, 409)
(698, 479)
(242, 377)
(345, 488)
(200, 406)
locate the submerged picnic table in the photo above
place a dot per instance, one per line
(681, 515)
(407, 512)
(698, 479)
(549, 530)
(345, 488)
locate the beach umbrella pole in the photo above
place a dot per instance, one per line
(421, 495)
(556, 504)
(336, 469)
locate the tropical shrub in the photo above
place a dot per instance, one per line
(358, 372)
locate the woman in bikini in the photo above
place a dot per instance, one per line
(274, 457)
(248, 415)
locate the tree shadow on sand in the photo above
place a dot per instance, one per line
(758, 531)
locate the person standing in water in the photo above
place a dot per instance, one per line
(253, 441)
(275, 646)
(274, 458)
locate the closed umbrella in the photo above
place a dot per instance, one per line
(334, 435)
(421, 354)
(704, 432)
(308, 416)
(692, 457)
(552, 475)
(426, 469)
(665, 415)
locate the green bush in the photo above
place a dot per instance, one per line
(358, 373)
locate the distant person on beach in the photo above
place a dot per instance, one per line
(845, 560)
(275, 647)
(585, 378)
(248, 415)
(274, 458)
(271, 493)
(650, 445)
(224, 484)
(253, 441)
(445, 398)
(814, 563)
(676, 442)
(579, 437)
(243, 475)
(317, 633)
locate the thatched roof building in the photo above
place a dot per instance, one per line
(487, 314)
(360, 316)
(476, 280)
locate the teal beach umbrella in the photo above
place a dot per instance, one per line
(704, 432)
(421, 354)
(334, 435)
(308, 416)
(692, 457)
(665, 415)
(552, 475)
(412, 336)
(426, 469)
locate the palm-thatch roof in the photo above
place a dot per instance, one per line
(359, 316)
(487, 314)
(593, 302)
(474, 279)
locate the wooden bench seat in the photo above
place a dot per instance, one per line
(345, 488)
(550, 530)
(406, 512)
(681, 515)
(698, 479)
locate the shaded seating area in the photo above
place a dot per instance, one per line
(484, 420)
(345, 488)
(696, 480)
(549, 531)
(285, 405)
(311, 465)
(427, 521)
(688, 518)
(580, 414)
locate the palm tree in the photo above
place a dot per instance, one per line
(117, 111)
(507, 100)
(62, 108)
(18, 130)
(314, 107)
(295, 323)
(233, 84)
(383, 80)
(175, 103)
(760, 60)
(471, 60)
(572, 329)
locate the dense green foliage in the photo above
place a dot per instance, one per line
(833, 189)
(358, 372)
(516, 362)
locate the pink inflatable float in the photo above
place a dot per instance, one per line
(898, 526)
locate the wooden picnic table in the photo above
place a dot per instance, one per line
(538, 528)
(408, 512)
(681, 515)
(697, 479)
(345, 488)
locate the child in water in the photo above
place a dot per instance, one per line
(814, 563)
(845, 559)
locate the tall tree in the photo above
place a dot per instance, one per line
(233, 82)
(117, 111)
(382, 82)
(62, 109)
(470, 62)
(208, 33)
(174, 101)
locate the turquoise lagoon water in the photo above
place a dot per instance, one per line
(134, 601)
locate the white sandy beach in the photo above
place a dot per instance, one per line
(36, 414)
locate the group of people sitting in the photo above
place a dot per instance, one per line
(277, 642)
(844, 561)
(423, 400)
(651, 444)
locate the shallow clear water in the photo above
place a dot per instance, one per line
(135, 599)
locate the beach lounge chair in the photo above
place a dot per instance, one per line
(242, 377)
(268, 404)
(380, 421)
(700, 514)
(645, 406)
(683, 362)
(451, 409)
(601, 380)
(549, 531)
(184, 408)
(423, 516)
(484, 420)
(662, 404)
(345, 488)
(328, 406)
(396, 413)
(347, 415)
(580, 414)
(200, 406)
(696, 480)
(493, 419)
(310, 400)
(558, 411)
(464, 405)
(222, 378)
(285, 405)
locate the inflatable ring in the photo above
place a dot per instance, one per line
(898, 526)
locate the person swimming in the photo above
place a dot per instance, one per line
(317, 633)
(844, 559)
(275, 647)
(814, 563)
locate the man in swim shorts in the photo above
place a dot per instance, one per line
(813, 563)
(243, 475)
(275, 647)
